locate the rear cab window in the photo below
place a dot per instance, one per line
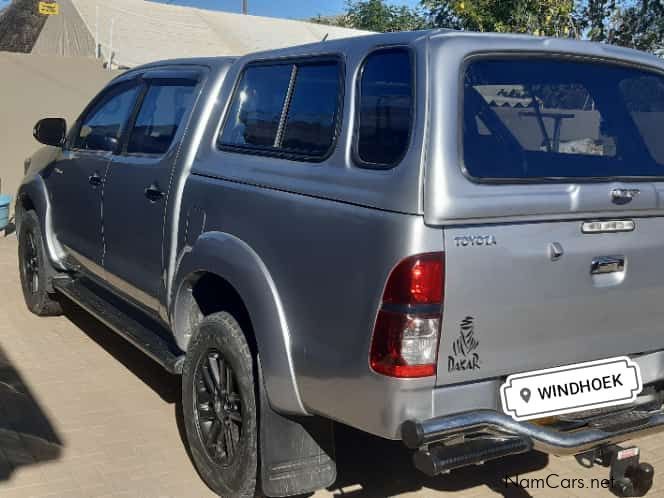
(286, 109)
(545, 118)
(385, 108)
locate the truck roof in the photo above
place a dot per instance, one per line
(491, 40)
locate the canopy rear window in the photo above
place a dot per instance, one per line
(543, 118)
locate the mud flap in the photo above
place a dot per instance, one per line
(296, 454)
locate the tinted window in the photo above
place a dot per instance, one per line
(101, 128)
(311, 121)
(161, 114)
(385, 107)
(257, 106)
(644, 96)
(527, 118)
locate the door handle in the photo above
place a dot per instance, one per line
(154, 193)
(607, 264)
(622, 196)
(95, 179)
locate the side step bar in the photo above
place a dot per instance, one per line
(440, 459)
(144, 338)
(628, 425)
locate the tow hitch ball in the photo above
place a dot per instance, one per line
(627, 476)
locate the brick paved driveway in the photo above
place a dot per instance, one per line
(83, 414)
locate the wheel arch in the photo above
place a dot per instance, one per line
(203, 293)
(222, 273)
(24, 203)
(33, 195)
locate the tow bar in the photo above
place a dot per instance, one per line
(627, 476)
(444, 443)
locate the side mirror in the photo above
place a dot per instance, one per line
(51, 131)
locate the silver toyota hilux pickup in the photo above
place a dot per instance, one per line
(450, 239)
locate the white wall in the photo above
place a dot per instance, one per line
(33, 87)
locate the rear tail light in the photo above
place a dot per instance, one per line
(407, 331)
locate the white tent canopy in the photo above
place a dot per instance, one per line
(134, 32)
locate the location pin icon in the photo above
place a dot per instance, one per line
(525, 394)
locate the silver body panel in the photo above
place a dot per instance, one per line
(309, 246)
(530, 310)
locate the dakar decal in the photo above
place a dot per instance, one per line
(464, 349)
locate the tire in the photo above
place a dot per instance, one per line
(34, 268)
(211, 414)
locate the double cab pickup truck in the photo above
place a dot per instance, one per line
(455, 240)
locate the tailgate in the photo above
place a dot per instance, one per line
(531, 298)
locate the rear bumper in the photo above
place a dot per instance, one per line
(475, 434)
(418, 434)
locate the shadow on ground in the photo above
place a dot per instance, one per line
(27, 436)
(369, 466)
(167, 386)
(161, 382)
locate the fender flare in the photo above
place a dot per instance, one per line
(235, 261)
(35, 190)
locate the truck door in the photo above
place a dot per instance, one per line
(136, 195)
(76, 181)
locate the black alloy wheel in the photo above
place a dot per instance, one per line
(35, 268)
(30, 266)
(218, 408)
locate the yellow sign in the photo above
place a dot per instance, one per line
(49, 8)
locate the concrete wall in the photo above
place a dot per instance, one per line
(32, 87)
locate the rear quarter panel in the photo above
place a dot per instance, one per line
(328, 233)
(329, 262)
